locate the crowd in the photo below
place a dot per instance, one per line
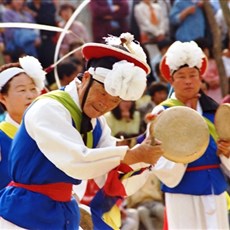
(169, 75)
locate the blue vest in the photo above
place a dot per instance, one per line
(5, 143)
(31, 210)
(205, 181)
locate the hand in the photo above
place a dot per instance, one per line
(116, 8)
(149, 117)
(143, 153)
(223, 148)
(191, 10)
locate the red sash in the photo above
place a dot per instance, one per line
(56, 191)
(203, 167)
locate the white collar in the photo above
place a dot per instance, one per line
(11, 121)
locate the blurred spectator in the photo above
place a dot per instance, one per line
(166, 5)
(76, 56)
(211, 75)
(80, 31)
(159, 74)
(188, 20)
(13, 56)
(134, 28)
(124, 118)
(148, 201)
(129, 217)
(151, 21)
(109, 17)
(158, 92)
(162, 47)
(222, 24)
(19, 38)
(44, 13)
(67, 71)
(226, 58)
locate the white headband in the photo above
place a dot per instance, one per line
(31, 66)
(124, 80)
(99, 73)
(7, 74)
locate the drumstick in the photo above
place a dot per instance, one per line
(151, 131)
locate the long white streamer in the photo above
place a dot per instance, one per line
(33, 26)
(62, 58)
(61, 37)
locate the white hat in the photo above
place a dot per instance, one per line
(31, 66)
(180, 54)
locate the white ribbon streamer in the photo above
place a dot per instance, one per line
(33, 26)
(62, 35)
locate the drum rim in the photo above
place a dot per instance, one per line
(217, 120)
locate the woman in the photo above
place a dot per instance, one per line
(20, 84)
(124, 119)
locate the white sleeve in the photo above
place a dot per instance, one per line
(225, 161)
(169, 172)
(49, 123)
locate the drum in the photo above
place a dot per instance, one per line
(183, 132)
(222, 121)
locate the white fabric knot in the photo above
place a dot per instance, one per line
(124, 80)
(180, 54)
(33, 69)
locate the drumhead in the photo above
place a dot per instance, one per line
(222, 121)
(183, 132)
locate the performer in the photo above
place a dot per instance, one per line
(64, 138)
(20, 84)
(194, 192)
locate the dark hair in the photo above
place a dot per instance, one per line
(66, 6)
(117, 111)
(156, 87)
(4, 91)
(66, 69)
(106, 62)
(6, 87)
(205, 43)
(164, 43)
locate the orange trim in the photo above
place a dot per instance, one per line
(56, 191)
(203, 167)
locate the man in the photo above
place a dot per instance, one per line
(64, 138)
(194, 192)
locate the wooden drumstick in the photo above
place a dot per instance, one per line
(151, 131)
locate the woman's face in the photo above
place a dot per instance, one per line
(22, 91)
(125, 107)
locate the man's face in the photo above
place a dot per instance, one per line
(98, 101)
(186, 83)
